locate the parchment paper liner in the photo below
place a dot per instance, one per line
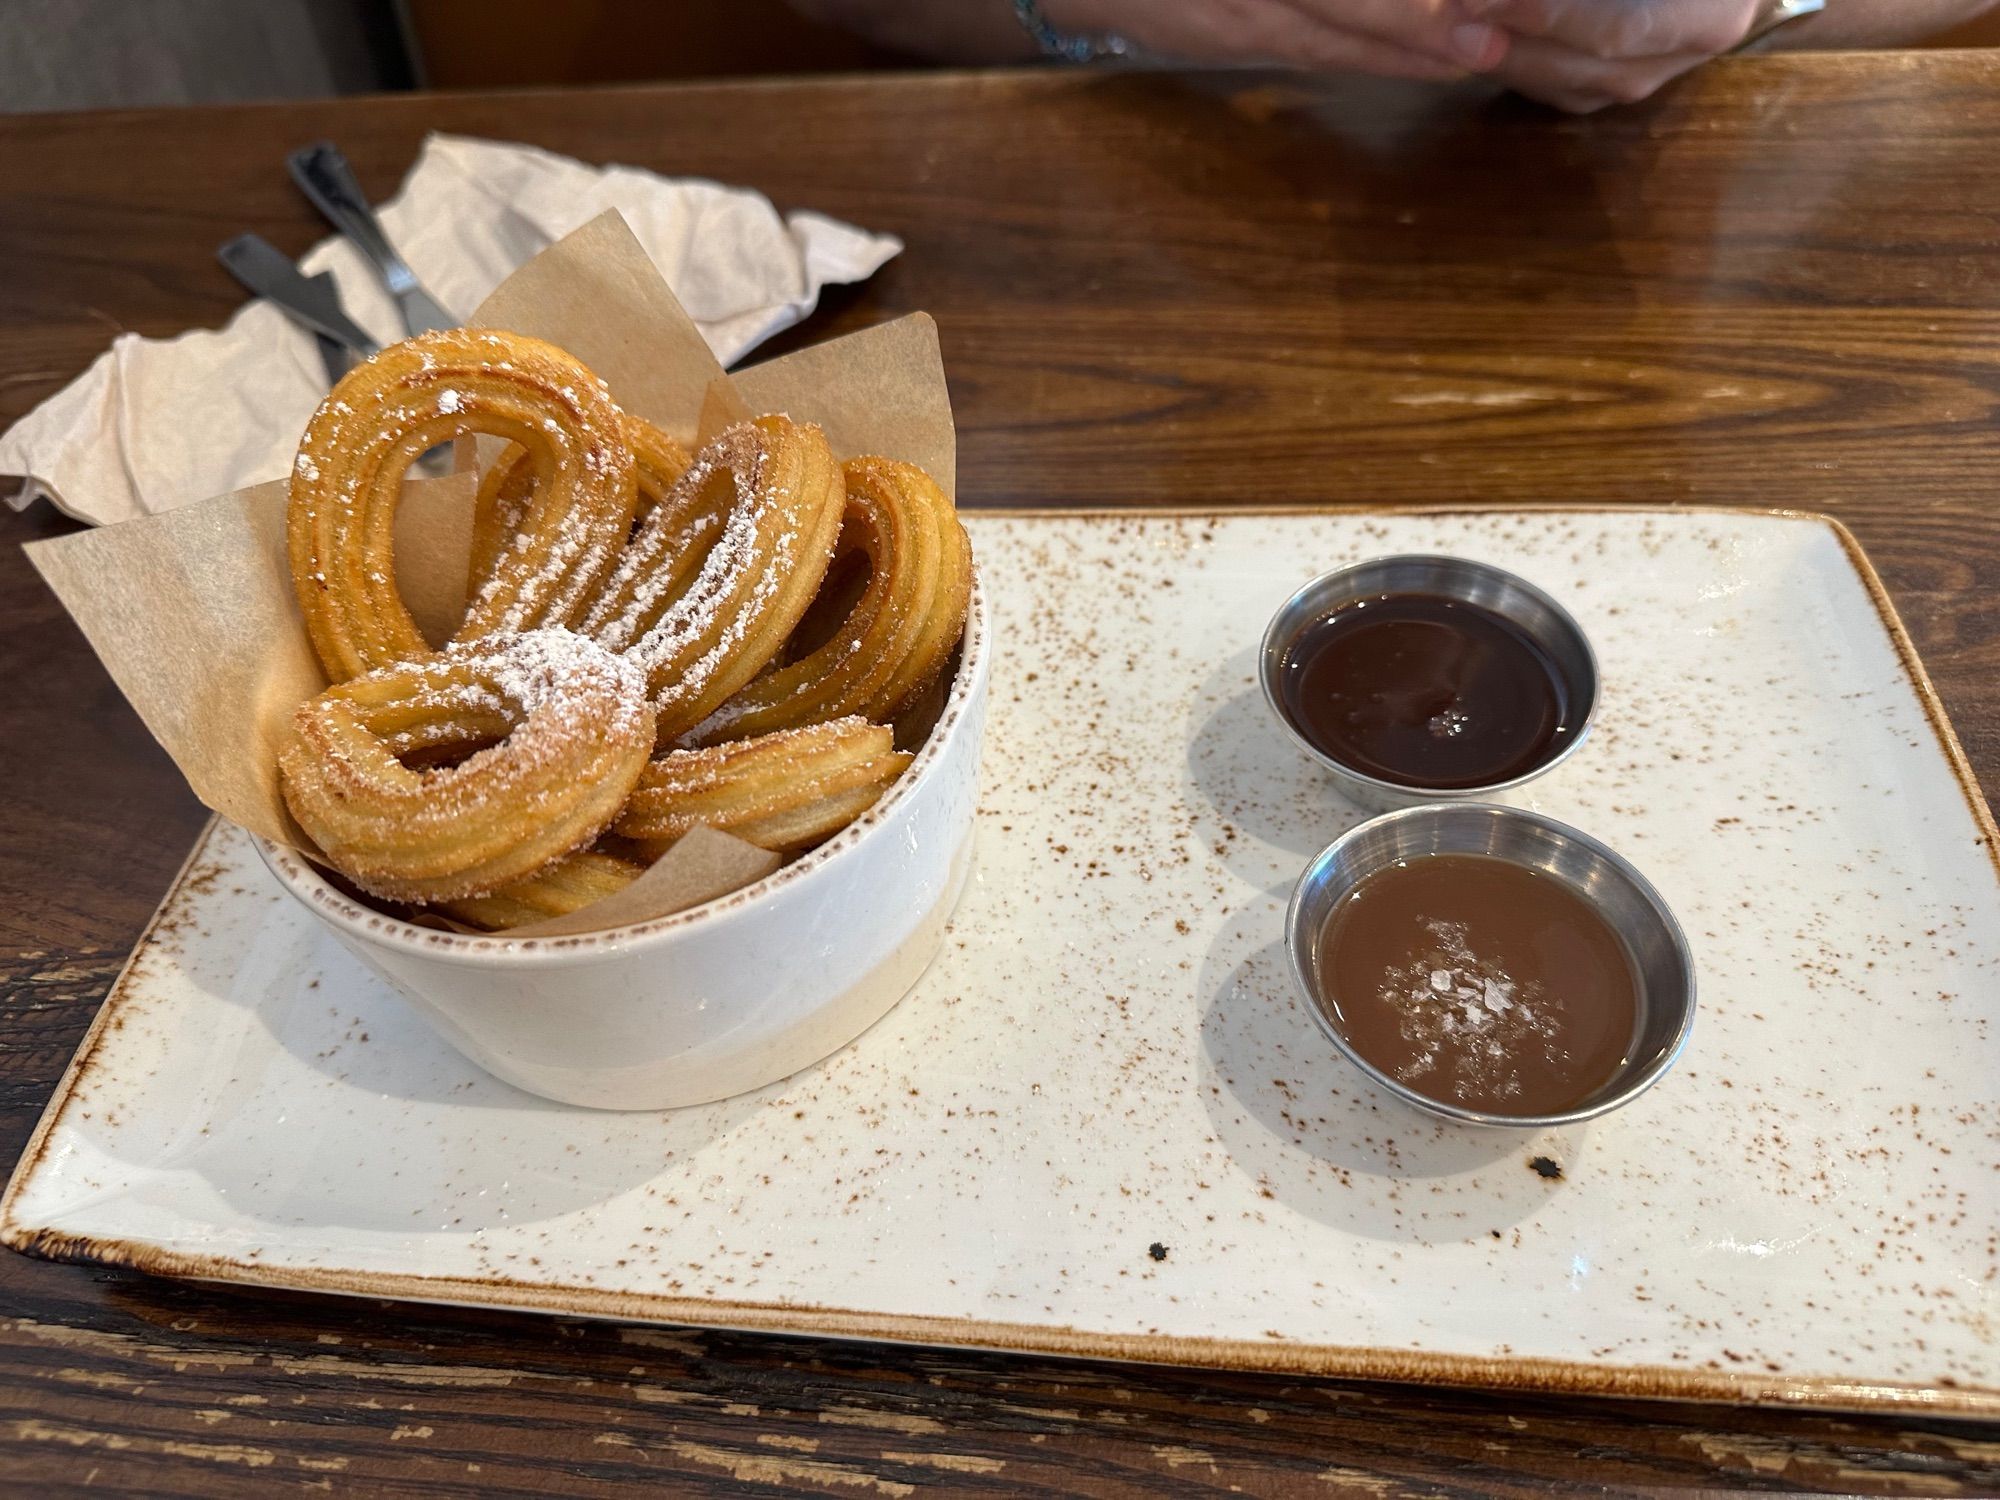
(191, 611)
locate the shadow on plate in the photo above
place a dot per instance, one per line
(1260, 802)
(437, 1145)
(1321, 1138)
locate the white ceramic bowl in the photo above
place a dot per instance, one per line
(722, 998)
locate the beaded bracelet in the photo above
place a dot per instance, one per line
(1065, 46)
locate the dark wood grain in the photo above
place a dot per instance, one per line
(1773, 287)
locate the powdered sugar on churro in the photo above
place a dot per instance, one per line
(559, 729)
(535, 686)
(641, 624)
(692, 769)
(580, 539)
(428, 390)
(553, 672)
(688, 635)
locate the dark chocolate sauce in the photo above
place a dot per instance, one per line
(1426, 691)
(1480, 983)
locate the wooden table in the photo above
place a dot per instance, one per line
(1775, 286)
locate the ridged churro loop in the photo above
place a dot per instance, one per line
(784, 791)
(714, 582)
(507, 487)
(577, 730)
(409, 398)
(899, 633)
(566, 885)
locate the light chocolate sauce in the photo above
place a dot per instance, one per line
(1480, 983)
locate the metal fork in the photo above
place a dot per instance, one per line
(323, 174)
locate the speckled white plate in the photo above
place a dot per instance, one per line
(1103, 1125)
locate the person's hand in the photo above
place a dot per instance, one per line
(1582, 55)
(1433, 39)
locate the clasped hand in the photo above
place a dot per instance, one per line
(1582, 55)
(1576, 54)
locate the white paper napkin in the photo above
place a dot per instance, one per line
(155, 423)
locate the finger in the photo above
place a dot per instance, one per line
(1625, 28)
(1565, 77)
(1335, 52)
(1437, 28)
(1266, 31)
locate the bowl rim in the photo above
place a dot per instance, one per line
(1271, 649)
(304, 882)
(1298, 946)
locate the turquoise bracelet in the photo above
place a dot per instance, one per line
(1064, 45)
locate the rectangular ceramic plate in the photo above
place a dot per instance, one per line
(1104, 1125)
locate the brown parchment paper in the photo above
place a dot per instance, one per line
(879, 391)
(192, 613)
(596, 293)
(434, 553)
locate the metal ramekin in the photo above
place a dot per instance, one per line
(1619, 893)
(1514, 599)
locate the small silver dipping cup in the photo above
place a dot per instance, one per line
(1619, 894)
(1515, 600)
